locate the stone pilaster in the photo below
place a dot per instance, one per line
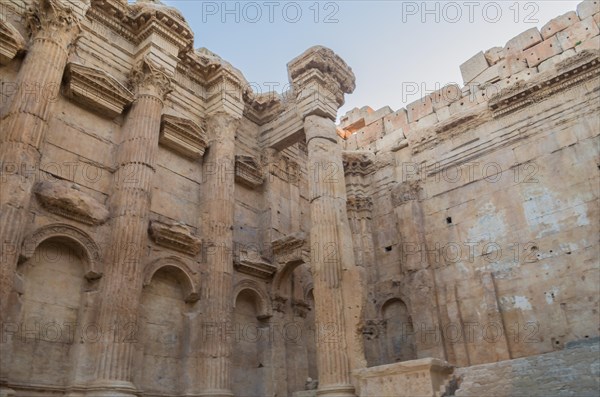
(129, 205)
(218, 212)
(54, 26)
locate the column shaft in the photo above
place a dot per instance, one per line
(218, 211)
(129, 204)
(332, 253)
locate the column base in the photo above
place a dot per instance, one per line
(215, 393)
(337, 391)
(111, 388)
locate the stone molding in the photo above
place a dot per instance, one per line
(183, 136)
(11, 42)
(248, 171)
(255, 267)
(571, 72)
(290, 248)
(93, 265)
(175, 236)
(65, 199)
(97, 90)
(358, 163)
(192, 293)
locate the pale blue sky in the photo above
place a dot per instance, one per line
(388, 44)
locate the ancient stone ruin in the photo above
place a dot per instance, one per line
(166, 231)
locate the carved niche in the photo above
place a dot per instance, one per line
(97, 90)
(183, 136)
(176, 236)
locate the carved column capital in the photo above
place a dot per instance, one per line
(148, 78)
(320, 79)
(53, 19)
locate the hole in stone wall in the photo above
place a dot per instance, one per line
(449, 220)
(388, 249)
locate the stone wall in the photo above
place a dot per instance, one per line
(169, 232)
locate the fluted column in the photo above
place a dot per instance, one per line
(23, 128)
(331, 254)
(218, 211)
(129, 206)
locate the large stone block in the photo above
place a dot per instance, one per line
(559, 24)
(473, 67)
(545, 50)
(588, 8)
(578, 33)
(523, 41)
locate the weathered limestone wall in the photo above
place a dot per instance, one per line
(172, 233)
(485, 203)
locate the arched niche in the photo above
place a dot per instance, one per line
(74, 238)
(281, 280)
(264, 308)
(398, 336)
(180, 269)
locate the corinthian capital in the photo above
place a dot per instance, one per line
(53, 18)
(320, 78)
(149, 78)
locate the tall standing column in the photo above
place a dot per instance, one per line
(54, 27)
(129, 206)
(332, 253)
(218, 211)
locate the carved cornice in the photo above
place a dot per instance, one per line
(97, 89)
(149, 16)
(290, 248)
(325, 61)
(571, 72)
(320, 78)
(358, 163)
(11, 42)
(183, 136)
(53, 18)
(176, 236)
(263, 108)
(139, 20)
(255, 267)
(64, 199)
(147, 75)
(248, 171)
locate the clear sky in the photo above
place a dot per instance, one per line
(394, 47)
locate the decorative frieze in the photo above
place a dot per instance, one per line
(65, 199)
(183, 136)
(248, 171)
(11, 42)
(571, 72)
(263, 108)
(358, 163)
(176, 236)
(97, 90)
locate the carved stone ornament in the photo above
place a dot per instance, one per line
(97, 90)
(11, 42)
(54, 17)
(571, 72)
(147, 75)
(252, 263)
(175, 236)
(248, 171)
(183, 136)
(63, 198)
